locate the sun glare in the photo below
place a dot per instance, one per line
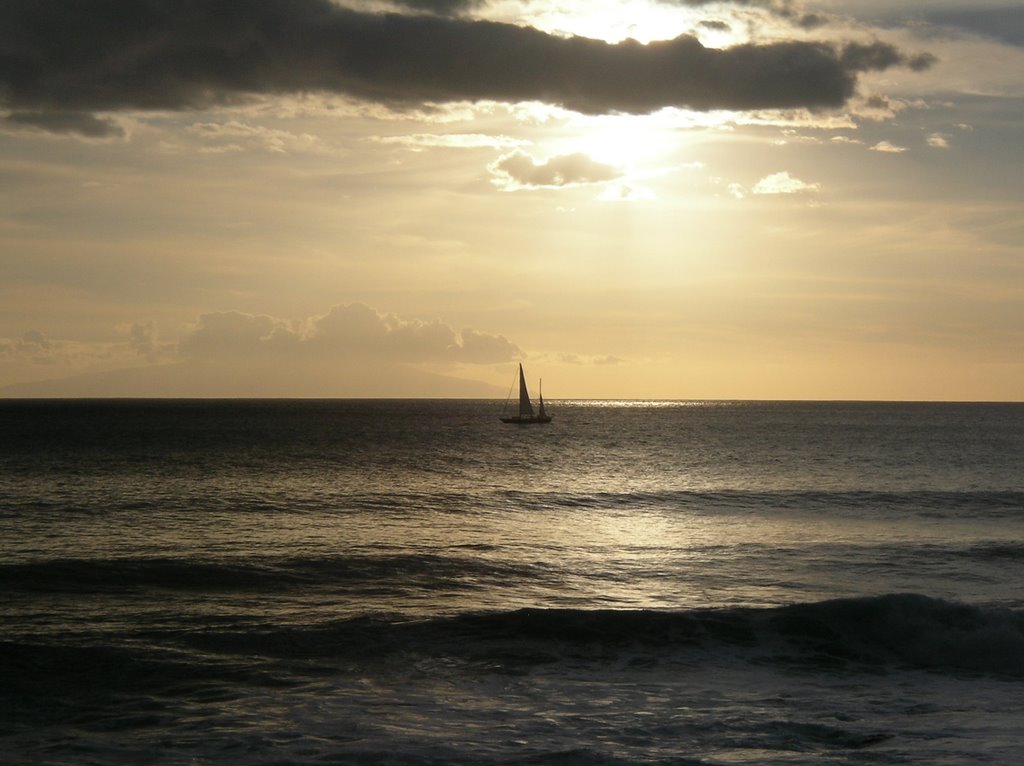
(624, 141)
(641, 20)
(635, 143)
(613, 21)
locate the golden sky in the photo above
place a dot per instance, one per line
(668, 199)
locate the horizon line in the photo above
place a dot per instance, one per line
(562, 400)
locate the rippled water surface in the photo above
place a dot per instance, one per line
(416, 582)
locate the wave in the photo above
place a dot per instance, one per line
(264, 574)
(996, 551)
(970, 503)
(896, 630)
(232, 497)
(458, 567)
(874, 635)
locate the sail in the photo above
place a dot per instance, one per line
(540, 394)
(525, 408)
(526, 414)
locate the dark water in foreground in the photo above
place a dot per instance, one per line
(416, 583)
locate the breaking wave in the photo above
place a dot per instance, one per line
(890, 632)
(898, 630)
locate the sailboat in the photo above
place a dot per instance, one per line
(526, 413)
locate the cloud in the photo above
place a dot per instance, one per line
(348, 332)
(61, 62)
(76, 123)
(1005, 24)
(938, 141)
(32, 345)
(781, 7)
(144, 339)
(879, 56)
(440, 7)
(715, 25)
(520, 171)
(786, 9)
(419, 141)
(812, 21)
(577, 359)
(877, 108)
(784, 183)
(270, 139)
(483, 348)
(352, 350)
(37, 350)
(233, 333)
(887, 147)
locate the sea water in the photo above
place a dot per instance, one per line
(414, 582)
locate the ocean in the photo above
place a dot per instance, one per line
(414, 582)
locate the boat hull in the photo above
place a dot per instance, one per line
(527, 419)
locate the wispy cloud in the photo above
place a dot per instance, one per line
(417, 141)
(225, 137)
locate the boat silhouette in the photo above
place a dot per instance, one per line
(526, 414)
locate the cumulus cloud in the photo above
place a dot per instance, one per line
(351, 332)
(938, 141)
(352, 350)
(887, 147)
(483, 348)
(784, 183)
(61, 63)
(521, 171)
(233, 333)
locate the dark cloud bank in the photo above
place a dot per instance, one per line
(61, 61)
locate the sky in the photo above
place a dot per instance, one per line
(664, 199)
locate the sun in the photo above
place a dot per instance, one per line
(640, 20)
(626, 141)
